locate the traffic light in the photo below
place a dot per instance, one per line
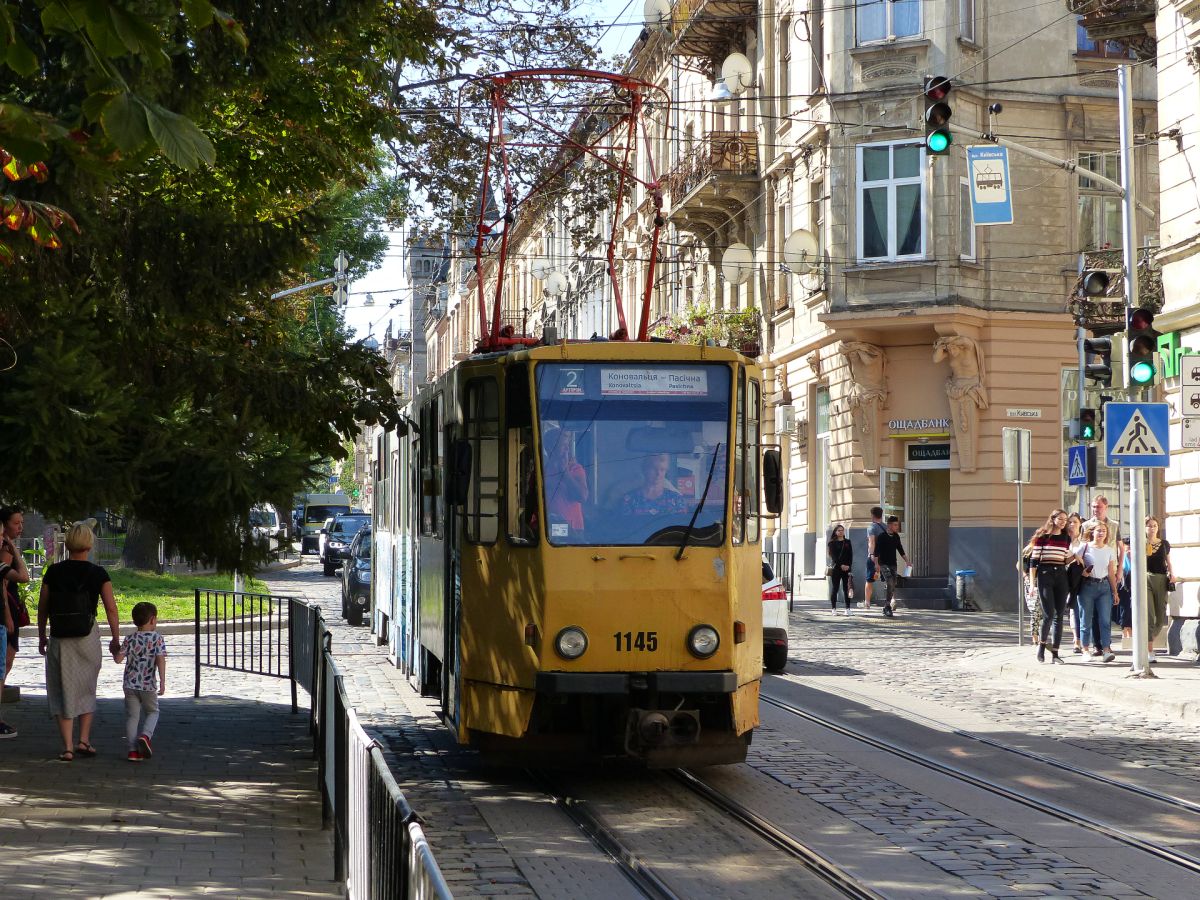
(1141, 347)
(937, 115)
(1094, 282)
(1097, 360)
(1088, 427)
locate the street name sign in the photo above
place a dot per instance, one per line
(991, 193)
(1077, 468)
(1136, 435)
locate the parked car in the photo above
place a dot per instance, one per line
(337, 535)
(266, 524)
(356, 578)
(775, 620)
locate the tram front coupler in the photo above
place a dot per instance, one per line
(649, 729)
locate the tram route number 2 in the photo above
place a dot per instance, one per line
(636, 640)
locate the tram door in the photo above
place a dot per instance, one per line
(451, 664)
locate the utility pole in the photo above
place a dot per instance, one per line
(1140, 667)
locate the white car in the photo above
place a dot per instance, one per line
(775, 621)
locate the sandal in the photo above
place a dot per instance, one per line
(66, 756)
(83, 748)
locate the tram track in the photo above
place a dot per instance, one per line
(1117, 783)
(652, 885)
(1182, 860)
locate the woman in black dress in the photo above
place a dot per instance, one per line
(841, 558)
(1159, 577)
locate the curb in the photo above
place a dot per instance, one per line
(1126, 692)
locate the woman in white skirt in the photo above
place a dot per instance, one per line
(71, 594)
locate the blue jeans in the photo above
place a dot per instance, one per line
(1095, 598)
(3, 649)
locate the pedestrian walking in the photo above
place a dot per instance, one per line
(1099, 590)
(1100, 516)
(1123, 611)
(1048, 562)
(145, 655)
(841, 558)
(1074, 578)
(1160, 580)
(12, 524)
(71, 593)
(887, 548)
(874, 530)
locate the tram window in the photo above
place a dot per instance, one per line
(431, 467)
(522, 486)
(739, 463)
(753, 455)
(482, 425)
(634, 454)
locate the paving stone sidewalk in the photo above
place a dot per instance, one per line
(228, 806)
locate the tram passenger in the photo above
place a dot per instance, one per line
(655, 496)
(566, 480)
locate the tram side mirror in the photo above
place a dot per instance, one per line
(460, 473)
(773, 481)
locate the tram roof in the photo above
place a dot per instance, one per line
(615, 351)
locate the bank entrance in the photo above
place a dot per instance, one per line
(919, 495)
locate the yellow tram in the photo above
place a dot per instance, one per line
(580, 527)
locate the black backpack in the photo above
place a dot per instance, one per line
(72, 611)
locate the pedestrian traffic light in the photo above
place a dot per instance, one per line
(937, 115)
(1088, 429)
(1141, 341)
(1097, 360)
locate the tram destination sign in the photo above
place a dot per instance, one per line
(656, 382)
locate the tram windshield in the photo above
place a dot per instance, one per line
(628, 451)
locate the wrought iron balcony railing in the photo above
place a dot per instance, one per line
(732, 153)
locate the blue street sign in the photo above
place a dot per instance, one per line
(1136, 435)
(1077, 465)
(991, 191)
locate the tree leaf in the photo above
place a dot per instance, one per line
(21, 59)
(93, 105)
(199, 12)
(124, 120)
(179, 139)
(138, 35)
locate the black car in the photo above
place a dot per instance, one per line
(338, 535)
(356, 578)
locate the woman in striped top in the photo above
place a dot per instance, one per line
(1049, 559)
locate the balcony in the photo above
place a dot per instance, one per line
(709, 29)
(1126, 23)
(716, 178)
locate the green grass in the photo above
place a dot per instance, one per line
(174, 595)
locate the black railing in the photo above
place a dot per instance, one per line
(245, 633)
(784, 567)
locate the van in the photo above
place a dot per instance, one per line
(318, 508)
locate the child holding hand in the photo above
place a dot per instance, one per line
(145, 654)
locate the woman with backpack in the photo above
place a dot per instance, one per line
(72, 591)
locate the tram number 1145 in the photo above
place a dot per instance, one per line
(636, 640)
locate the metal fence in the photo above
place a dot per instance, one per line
(784, 567)
(379, 848)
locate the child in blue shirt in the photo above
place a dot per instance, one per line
(144, 654)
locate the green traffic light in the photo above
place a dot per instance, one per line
(1141, 372)
(938, 141)
(1088, 433)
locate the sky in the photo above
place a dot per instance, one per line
(369, 310)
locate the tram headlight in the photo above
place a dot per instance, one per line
(703, 641)
(571, 642)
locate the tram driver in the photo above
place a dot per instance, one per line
(655, 496)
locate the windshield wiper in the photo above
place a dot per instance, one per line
(687, 535)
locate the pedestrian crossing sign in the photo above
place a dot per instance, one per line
(1136, 435)
(1077, 468)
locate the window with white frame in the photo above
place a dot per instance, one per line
(784, 88)
(890, 201)
(966, 20)
(1099, 207)
(966, 221)
(815, 23)
(881, 20)
(816, 213)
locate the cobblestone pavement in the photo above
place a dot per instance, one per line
(227, 807)
(920, 654)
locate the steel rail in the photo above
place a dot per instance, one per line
(1148, 793)
(823, 868)
(1182, 860)
(640, 875)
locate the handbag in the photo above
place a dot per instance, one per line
(850, 587)
(1170, 587)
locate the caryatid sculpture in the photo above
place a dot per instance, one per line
(966, 391)
(868, 391)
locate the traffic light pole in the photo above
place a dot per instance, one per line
(1140, 667)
